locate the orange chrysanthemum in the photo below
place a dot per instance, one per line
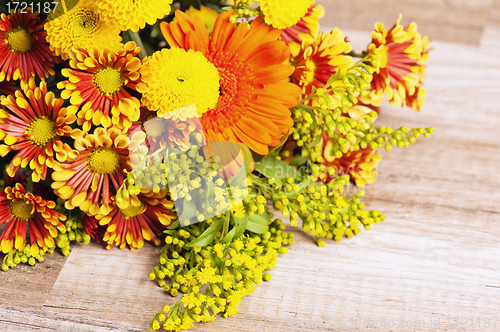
(33, 127)
(20, 209)
(318, 58)
(23, 49)
(133, 224)
(99, 86)
(88, 180)
(402, 64)
(255, 95)
(308, 25)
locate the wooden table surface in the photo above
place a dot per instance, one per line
(436, 256)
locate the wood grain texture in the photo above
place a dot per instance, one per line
(435, 256)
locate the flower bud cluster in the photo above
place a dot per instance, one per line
(214, 278)
(14, 257)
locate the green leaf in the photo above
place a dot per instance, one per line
(316, 141)
(258, 223)
(299, 161)
(188, 210)
(283, 140)
(241, 225)
(248, 157)
(313, 116)
(229, 236)
(272, 167)
(175, 225)
(208, 235)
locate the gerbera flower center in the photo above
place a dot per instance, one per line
(132, 211)
(103, 161)
(227, 92)
(20, 40)
(21, 210)
(108, 80)
(41, 131)
(83, 23)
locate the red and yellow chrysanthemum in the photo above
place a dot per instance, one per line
(254, 93)
(132, 14)
(7, 88)
(318, 58)
(89, 179)
(20, 210)
(145, 219)
(99, 86)
(360, 165)
(81, 28)
(402, 64)
(308, 25)
(34, 126)
(24, 51)
(162, 132)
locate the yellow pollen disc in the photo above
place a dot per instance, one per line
(41, 130)
(132, 211)
(83, 24)
(103, 161)
(108, 80)
(20, 40)
(154, 128)
(21, 210)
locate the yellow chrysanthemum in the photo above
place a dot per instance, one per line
(282, 14)
(81, 27)
(174, 78)
(132, 14)
(207, 15)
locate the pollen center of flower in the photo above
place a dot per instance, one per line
(83, 24)
(20, 40)
(108, 80)
(132, 211)
(154, 128)
(41, 130)
(21, 210)
(103, 161)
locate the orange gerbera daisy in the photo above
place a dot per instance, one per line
(318, 58)
(33, 127)
(133, 224)
(255, 95)
(402, 64)
(100, 84)
(20, 209)
(23, 49)
(308, 25)
(96, 170)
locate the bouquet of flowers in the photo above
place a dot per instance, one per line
(182, 123)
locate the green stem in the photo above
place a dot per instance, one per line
(137, 39)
